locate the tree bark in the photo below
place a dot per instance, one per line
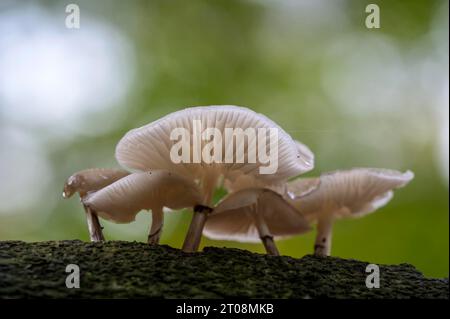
(116, 269)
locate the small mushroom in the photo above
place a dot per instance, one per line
(87, 181)
(340, 194)
(253, 215)
(149, 147)
(152, 190)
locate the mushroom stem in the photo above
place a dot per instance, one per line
(264, 233)
(157, 225)
(95, 229)
(193, 236)
(209, 183)
(322, 246)
(269, 245)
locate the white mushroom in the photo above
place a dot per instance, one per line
(152, 190)
(248, 181)
(151, 146)
(351, 193)
(307, 155)
(255, 214)
(88, 181)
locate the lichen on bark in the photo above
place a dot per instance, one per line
(117, 269)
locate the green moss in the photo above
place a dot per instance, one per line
(118, 269)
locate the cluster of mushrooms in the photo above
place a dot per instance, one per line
(258, 207)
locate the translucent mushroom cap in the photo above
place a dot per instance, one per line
(149, 147)
(347, 193)
(302, 186)
(233, 219)
(122, 200)
(248, 181)
(90, 180)
(307, 155)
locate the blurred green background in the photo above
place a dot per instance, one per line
(356, 96)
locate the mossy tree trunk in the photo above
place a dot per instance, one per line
(135, 270)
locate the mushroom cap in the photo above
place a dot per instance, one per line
(307, 155)
(347, 193)
(148, 147)
(302, 186)
(91, 180)
(233, 219)
(248, 181)
(122, 200)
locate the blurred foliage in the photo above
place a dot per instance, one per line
(308, 65)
